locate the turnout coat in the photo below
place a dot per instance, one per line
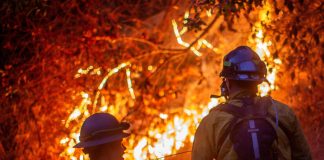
(207, 139)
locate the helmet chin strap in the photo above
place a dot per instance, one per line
(224, 90)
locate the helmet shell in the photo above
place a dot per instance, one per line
(243, 64)
(101, 128)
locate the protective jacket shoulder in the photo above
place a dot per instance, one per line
(210, 141)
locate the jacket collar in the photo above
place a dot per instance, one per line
(242, 94)
(236, 97)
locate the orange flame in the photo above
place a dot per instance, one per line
(180, 128)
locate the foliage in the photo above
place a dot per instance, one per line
(295, 31)
(45, 43)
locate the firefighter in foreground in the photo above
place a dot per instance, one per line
(247, 126)
(101, 137)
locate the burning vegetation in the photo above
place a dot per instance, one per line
(151, 63)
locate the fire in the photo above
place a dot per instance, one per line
(181, 42)
(112, 72)
(179, 128)
(139, 148)
(264, 53)
(129, 83)
(81, 112)
(262, 49)
(90, 70)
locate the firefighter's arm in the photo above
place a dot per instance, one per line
(299, 147)
(202, 146)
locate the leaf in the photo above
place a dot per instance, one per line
(292, 75)
(316, 38)
(275, 55)
(277, 38)
(285, 42)
(221, 27)
(289, 4)
(294, 30)
(314, 83)
(301, 2)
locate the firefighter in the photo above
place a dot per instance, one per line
(101, 137)
(248, 126)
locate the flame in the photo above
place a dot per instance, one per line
(180, 41)
(138, 150)
(103, 108)
(169, 139)
(90, 70)
(262, 49)
(110, 73)
(200, 42)
(105, 79)
(163, 116)
(129, 83)
(179, 128)
(81, 112)
(209, 12)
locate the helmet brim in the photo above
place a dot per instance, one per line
(96, 142)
